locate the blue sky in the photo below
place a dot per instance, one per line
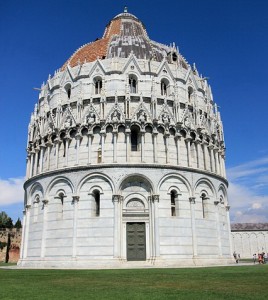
(227, 39)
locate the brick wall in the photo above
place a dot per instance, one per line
(15, 240)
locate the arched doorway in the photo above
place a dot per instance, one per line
(136, 215)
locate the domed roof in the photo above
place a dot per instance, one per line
(124, 34)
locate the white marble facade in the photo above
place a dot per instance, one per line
(249, 238)
(126, 140)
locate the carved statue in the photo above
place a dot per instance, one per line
(187, 121)
(165, 118)
(90, 118)
(115, 116)
(142, 117)
(68, 122)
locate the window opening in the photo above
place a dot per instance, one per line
(163, 88)
(174, 56)
(97, 203)
(68, 90)
(133, 85)
(134, 138)
(98, 86)
(204, 204)
(173, 203)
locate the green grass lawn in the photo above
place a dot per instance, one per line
(239, 282)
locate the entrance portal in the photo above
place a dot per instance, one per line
(136, 241)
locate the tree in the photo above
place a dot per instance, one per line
(5, 220)
(9, 223)
(18, 224)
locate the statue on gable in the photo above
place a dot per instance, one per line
(90, 118)
(115, 116)
(187, 121)
(165, 118)
(142, 116)
(50, 128)
(68, 122)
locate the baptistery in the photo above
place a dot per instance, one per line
(125, 160)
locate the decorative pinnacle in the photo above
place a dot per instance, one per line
(125, 9)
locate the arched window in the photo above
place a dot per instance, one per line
(36, 205)
(98, 85)
(60, 203)
(174, 56)
(68, 89)
(61, 197)
(134, 136)
(173, 196)
(96, 196)
(204, 199)
(133, 85)
(164, 87)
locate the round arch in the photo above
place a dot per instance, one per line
(35, 190)
(207, 182)
(87, 177)
(136, 176)
(58, 179)
(179, 177)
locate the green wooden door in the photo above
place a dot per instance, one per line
(136, 242)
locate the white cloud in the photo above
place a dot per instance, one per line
(258, 166)
(248, 192)
(11, 191)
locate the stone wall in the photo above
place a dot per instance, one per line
(15, 240)
(250, 238)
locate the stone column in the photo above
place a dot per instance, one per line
(142, 145)
(78, 140)
(155, 133)
(26, 233)
(227, 207)
(115, 135)
(127, 144)
(48, 145)
(198, 154)
(218, 226)
(42, 146)
(23, 235)
(189, 160)
(166, 147)
(57, 143)
(117, 225)
(75, 203)
(204, 147)
(221, 163)
(89, 143)
(36, 159)
(103, 134)
(156, 225)
(212, 163)
(31, 162)
(223, 166)
(28, 164)
(192, 203)
(151, 227)
(67, 140)
(177, 141)
(216, 160)
(44, 231)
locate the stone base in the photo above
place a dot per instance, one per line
(123, 264)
